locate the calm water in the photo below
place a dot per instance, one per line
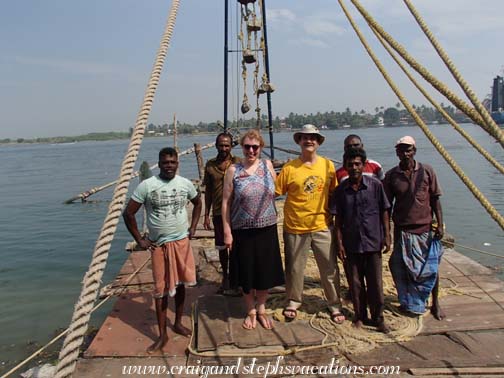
(47, 246)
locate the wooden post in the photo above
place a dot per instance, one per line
(199, 160)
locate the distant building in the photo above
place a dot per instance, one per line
(498, 94)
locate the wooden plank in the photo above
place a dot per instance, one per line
(465, 264)
(132, 326)
(489, 284)
(486, 344)
(426, 351)
(134, 261)
(141, 278)
(448, 270)
(130, 367)
(466, 317)
(458, 371)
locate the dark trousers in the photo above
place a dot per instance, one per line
(366, 286)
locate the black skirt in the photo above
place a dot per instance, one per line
(255, 261)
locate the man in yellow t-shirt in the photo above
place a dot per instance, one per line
(308, 182)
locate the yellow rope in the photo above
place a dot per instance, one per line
(451, 162)
(478, 250)
(439, 108)
(458, 77)
(91, 283)
(441, 87)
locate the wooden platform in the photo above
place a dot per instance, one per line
(467, 343)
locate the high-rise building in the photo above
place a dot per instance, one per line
(498, 94)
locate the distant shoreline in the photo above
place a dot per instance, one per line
(108, 136)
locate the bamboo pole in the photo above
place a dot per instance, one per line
(199, 160)
(84, 195)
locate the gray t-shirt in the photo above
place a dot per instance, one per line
(165, 202)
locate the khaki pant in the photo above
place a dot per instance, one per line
(296, 254)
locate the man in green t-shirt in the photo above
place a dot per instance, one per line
(165, 198)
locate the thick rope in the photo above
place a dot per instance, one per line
(91, 283)
(441, 87)
(451, 162)
(456, 74)
(439, 108)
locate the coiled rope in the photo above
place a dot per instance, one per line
(458, 77)
(451, 162)
(439, 108)
(91, 283)
(440, 86)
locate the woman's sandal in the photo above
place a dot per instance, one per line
(250, 321)
(338, 317)
(264, 320)
(289, 318)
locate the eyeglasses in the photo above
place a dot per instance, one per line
(254, 147)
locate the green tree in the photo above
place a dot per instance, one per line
(391, 116)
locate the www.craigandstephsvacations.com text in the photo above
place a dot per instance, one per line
(266, 369)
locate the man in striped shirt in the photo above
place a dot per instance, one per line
(371, 168)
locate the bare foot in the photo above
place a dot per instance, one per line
(437, 312)
(181, 330)
(383, 328)
(357, 324)
(158, 345)
(225, 284)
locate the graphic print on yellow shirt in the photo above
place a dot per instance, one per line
(307, 188)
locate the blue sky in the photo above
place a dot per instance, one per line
(68, 68)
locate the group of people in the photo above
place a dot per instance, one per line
(343, 213)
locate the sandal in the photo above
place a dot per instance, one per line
(338, 317)
(249, 323)
(264, 320)
(289, 318)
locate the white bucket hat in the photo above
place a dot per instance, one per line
(309, 129)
